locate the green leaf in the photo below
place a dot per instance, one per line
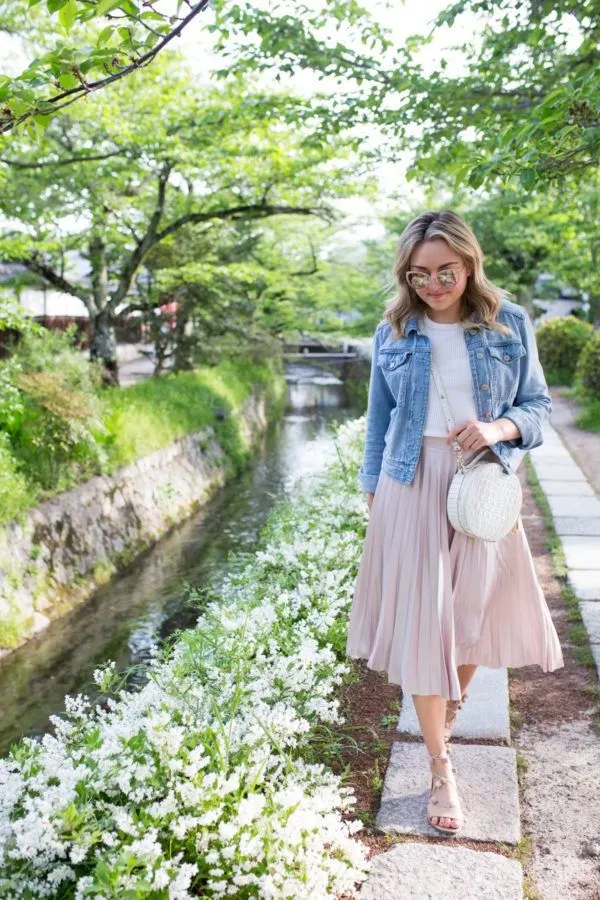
(477, 176)
(68, 14)
(104, 36)
(106, 6)
(68, 81)
(528, 178)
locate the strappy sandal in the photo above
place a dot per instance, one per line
(435, 808)
(452, 707)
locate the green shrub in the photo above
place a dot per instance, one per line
(560, 341)
(588, 367)
(15, 496)
(58, 426)
(49, 405)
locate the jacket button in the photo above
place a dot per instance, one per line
(480, 356)
(472, 331)
(506, 357)
(484, 387)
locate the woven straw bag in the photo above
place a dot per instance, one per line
(484, 501)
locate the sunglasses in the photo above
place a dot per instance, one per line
(420, 280)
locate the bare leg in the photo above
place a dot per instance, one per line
(465, 674)
(431, 712)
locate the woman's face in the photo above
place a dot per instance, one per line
(432, 257)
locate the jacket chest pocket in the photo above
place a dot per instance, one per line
(505, 364)
(395, 365)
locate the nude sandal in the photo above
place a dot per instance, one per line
(452, 707)
(435, 808)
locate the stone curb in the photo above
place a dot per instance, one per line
(576, 511)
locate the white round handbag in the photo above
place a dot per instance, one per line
(484, 501)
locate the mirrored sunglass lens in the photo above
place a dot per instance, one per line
(418, 281)
(448, 277)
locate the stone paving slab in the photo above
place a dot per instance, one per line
(486, 778)
(580, 488)
(572, 525)
(484, 713)
(585, 583)
(550, 435)
(590, 613)
(552, 452)
(582, 552)
(411, 871)
(547, 471)
(587, 507)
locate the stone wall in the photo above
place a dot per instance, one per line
(73, 543)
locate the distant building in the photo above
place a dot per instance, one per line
(38, 297)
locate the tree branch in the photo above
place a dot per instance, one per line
(61, 162)
(36, 264)
(249, 211)
(45, 107)
(149, 239)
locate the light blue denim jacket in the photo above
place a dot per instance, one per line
(508, 382)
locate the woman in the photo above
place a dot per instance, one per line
(431, 604)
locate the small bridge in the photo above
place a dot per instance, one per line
(310, 348)
(332, 355)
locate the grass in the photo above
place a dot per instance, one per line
(589, 418)
(153, 413)
(147, 416)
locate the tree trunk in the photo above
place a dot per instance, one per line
(103, 346)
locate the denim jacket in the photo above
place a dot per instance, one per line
(508, 382)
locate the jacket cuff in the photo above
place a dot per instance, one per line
(530, 436)
(368, 482)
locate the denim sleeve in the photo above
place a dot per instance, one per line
(380, 403)
(532, 403)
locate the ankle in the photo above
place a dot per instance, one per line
(440, 759)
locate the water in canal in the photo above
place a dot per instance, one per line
(146, 602)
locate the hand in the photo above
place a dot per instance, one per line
(370, 500)
(475, 435)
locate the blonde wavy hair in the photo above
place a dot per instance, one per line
(481, 298)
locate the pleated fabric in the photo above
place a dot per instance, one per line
(428, 598)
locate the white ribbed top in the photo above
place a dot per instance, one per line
(451, 356)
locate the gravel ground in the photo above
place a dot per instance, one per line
(583, 445)
(560, 807)
(560, 792)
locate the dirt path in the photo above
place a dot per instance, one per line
(559, 749)
(583, 445)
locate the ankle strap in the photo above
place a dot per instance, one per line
(441, 756)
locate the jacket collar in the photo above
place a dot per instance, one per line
(414, 322)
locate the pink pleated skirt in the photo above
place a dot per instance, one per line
(428, 598)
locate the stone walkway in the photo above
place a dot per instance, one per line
(576, 511)
(418, 869)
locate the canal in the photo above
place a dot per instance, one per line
(146, 602)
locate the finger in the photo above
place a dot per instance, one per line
(456, 431)
(466, 437)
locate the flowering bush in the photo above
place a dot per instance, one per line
(198, 784)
